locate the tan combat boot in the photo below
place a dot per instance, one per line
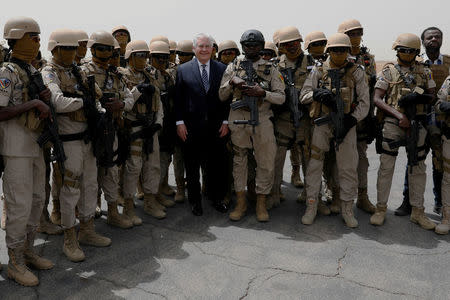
(120, 199)
(311, 211)
(418, 217)
(323, 209)
(31, 258)
(335, 206)
(55, 216)
(88, 236)
(71, 248)
(261, 212)
(380, 214)
(128, 210)
(151, 207)
(45, 226)
(347, 214)
(295, 177)
(180, 194)
(17, 270)
(165, 188)
(117, 220)
(444, 226)
(241, 207)
(164, 201)
(363, 201)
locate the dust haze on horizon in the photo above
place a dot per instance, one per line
(382, 20)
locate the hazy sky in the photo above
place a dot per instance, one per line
(382, 20)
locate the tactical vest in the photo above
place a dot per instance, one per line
(347, 90)
(398, 88)
(440, 72)
(263, 77)
(29, 119)
(366, 60)
(69, 86)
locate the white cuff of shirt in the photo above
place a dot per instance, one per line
(225, 122)
(179, 122)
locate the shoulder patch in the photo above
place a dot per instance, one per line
(50, 76)
(4, 83)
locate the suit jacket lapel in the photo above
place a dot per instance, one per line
(196, 71)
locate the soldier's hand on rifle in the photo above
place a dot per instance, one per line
(325, 97)
(444, 107)
(403, 122)
(253, 91)
(237, 82)
(146, 88)
(45, 95)
(44, 110)
(114, 105)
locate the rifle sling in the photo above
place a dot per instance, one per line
(73, 136)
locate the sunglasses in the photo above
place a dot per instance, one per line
(103, 48)
(68, 48)
(251, 44)
(140, 55)
(338, 49)
(355, 33)
(185, 54)
(318, 43)
(406, 50)
(160, 56)
(267, 53)
(228, 52)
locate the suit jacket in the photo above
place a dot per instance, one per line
(201, 111)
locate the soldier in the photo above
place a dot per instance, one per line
(354, 94)
(269, 51)
(184, 51)
(173, 54)
(165, 81)
(259, 137)
(215, 50)
(315, 43)
(116, 98)
(122, 35)
(443, 106)
(82, 46)
(360, 55)
(228, 51)
(142, 123)
(21, 115)
(402, 85)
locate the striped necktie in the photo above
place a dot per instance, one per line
(205, 78)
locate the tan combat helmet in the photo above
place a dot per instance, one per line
(315, 36)
(275, 37)
(408, 40)
(101, 37)
(81, 35)
(116, 45)
(16, 27)
(62, 37)
(289, 34)
(160, 38)
(172, 45)
(136, 46)
(349, 25)
(268, 45)
(338, 40)
(121, 28)
(185, 46)
(228, 44)
(159, 47)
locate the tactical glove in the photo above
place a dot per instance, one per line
(325, 97)
(146, 88)
(414, 98)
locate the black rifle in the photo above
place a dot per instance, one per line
(250, 103)
(104, 142)
(51, 131)
(336, 116)
(292, 94)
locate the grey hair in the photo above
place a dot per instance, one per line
(200, 36)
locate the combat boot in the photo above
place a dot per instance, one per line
(273, 199)
(323, 209)
(363, 201)
(151, 207)
(17, 270)
(311, 211)
(164, 201)
(71, 248)
(45, 226)
(380, 214)
(261, 212)
(165, 188)
(31, 258)
(120, 200)
(347, 214)
(404, 209)
(55, 216)
(88, 236)
(128, 210)
(295, 177)
(180, 194)
(241, 207)
(117, 220)
(282, 196)
(444, 226)
(418, 217)
(335, 206)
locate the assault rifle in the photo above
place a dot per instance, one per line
(250, 103)
(104, 142)
(336, 116)
(292, 94)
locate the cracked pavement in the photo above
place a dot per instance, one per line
(210, 257)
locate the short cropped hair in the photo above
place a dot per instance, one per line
(200, 36)
(422, 36)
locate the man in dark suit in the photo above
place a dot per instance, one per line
(202, 124)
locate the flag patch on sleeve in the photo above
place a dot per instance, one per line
(4, 83)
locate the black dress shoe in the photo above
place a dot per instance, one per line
(221, 207)
(404, 209)
(197, 209)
